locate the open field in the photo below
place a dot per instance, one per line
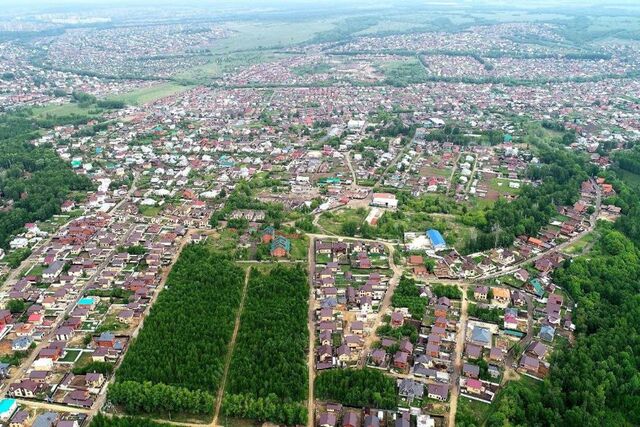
(253, 35)
(149, 94)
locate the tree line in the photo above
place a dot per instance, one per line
(146, 397)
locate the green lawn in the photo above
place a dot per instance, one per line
(64, 110)
(150, 210)
(300, 248)
(472, 409)
(149, 94)
(254, 35)
(71, 356)
(332, 221)
(501, 185)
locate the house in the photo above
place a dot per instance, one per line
(438, 391)
(268, 234)
(437, 241)
(5, 317)
(48, 419)
(19, 419)
(415, 260)
(537, 350)
(547, 333)
(522, 275)
(510, 319)
(530, 364)
(280, 247)
(410, 389)
(501, 295)
(53, 271)
(518, 298)
(480, 293)
(473, 351)
(401, 360)
(496, 354)
(397, 319)
(64, 333)
(4, 370)
(21, 343)
(378, 356)
(481, 336)
(106, 339)
(327, 419)
(25, 388)
(350, 419)
(371, 421)
(344, 353)
(470, 370)
(473, 385)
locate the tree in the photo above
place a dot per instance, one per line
(16, 306)
(349, 228)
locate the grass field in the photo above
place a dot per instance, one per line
(64, 110)
(226, 63)
(579, 245)
(501, 185)
(71, 356)
(149, 94)
(332, 221)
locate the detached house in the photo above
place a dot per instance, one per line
(280, 247)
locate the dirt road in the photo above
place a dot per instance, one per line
(232, 343)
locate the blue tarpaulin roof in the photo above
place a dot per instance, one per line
(436, 238)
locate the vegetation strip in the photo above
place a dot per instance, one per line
(181, 350)
(268, 375)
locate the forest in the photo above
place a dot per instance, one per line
(185, 338)
(268, 374)
(357, 387)
(34, 180)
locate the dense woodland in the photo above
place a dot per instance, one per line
(185, 338)
(34, 180)
(357, 387)
(268, 374)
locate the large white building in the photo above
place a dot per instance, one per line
(384, 200)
